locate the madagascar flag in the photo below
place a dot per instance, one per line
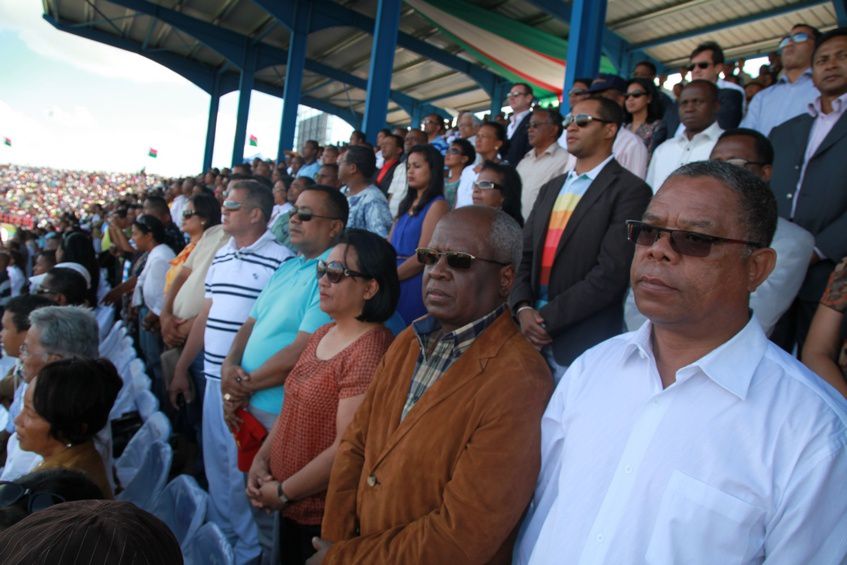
(153, 153)
(254, 141)
(7, 141)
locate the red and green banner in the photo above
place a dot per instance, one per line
(254, 141)
(152, 153)
(513, 50)
(7, 141)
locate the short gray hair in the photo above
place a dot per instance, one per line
(476, 121)
(67, 331)
(506, 239)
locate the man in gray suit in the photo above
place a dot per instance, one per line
(810, 179)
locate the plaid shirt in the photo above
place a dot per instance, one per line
(437, 355)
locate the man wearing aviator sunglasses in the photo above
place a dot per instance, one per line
(794, 90)
(699, 379)
(707, 63)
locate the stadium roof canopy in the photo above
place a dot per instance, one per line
(451, 55)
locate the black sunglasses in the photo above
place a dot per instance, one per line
(581, 120)
(487, 185)
(700, 65)
(305, 215)
(798, 37)
(11, 493)
(688, 243)
(637, 94)
(336, 271)
(455, 259)
(188, 213)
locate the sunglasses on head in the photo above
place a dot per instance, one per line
(336, 271)
(11, 493)
(798, 37)
(486, 185)
(305, 214)
(581, 120)
(455, 259)
(688, 243)
(700, 65)
(637, 94)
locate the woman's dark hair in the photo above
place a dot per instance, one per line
(376, 259)
(433, 158)
(75, 396)
(500, 132)
(147, 223)
(511, 186)
(78, 248)
(66, 483)
(466, 149)
(20, 307)
(654, 107)
(207, 207)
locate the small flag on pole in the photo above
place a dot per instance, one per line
(153, 153)
(7, 141)
(254, 141)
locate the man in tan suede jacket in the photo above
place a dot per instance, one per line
(441, 459)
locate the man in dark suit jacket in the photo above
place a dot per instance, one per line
(520, 99)
(810, 179)
(707, 63)
(574, 271)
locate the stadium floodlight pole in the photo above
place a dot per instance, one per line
(382, 64)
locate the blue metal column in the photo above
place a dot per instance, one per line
(841, 11)
(245, 88)
(416, 116)
(382, 63)
(585, 40)
(294, 76)
(212, 126)
(498, 96)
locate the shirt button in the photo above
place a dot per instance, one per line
(600, 538)
(372, 480)
(627, 469)
(796, 167)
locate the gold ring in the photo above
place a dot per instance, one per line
(227, 397)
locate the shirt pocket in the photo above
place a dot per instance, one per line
(698, 523)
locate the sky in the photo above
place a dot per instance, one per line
(70, 103)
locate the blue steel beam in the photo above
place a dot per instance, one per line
(585, 38)
(299, 34)
(711, 28)
(840, 11)
(245, 90)
(381, 65)
(232, 45)
(212, 125)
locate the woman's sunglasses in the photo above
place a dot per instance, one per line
(11, 493)
(455, 259)
(188, 214)
(486, 185)
(688, 243)
(336, 272)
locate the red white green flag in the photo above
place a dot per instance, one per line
(152, 153)
(254, 141)
(7, 141)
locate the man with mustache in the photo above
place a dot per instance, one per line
(693, 439)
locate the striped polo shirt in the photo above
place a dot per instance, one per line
(235, 279)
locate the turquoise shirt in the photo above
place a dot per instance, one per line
(290, 303)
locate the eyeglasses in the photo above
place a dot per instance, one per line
(798, 37)
(739, 162)
(10, 493)
(516, 94)
(688, 243)
(582, 120)
(487, 185)
(534, 125)
(577, 91)
(232, 205)
(455, 259)
(336, 271)
(305, 215)
(700, 65)
(456, 151)
(189, 213)
(636, 94)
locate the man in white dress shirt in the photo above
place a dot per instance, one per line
(698, 114)
(694, 439)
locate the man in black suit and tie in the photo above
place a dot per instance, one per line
(570, 286)
(520, 99)
(810, 179)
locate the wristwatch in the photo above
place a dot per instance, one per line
(281, 494)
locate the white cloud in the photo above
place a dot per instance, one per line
(24, 18)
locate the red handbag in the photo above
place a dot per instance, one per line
(248, 438)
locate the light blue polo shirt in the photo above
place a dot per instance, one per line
(290, 303)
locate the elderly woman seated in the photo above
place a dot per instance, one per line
(64, 407)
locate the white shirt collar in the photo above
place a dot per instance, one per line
(712, 132)
(232, 246)
(837, 105)
(592, 174)
(516, 118)
(730, 365)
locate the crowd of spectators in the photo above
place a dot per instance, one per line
(540, 338)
